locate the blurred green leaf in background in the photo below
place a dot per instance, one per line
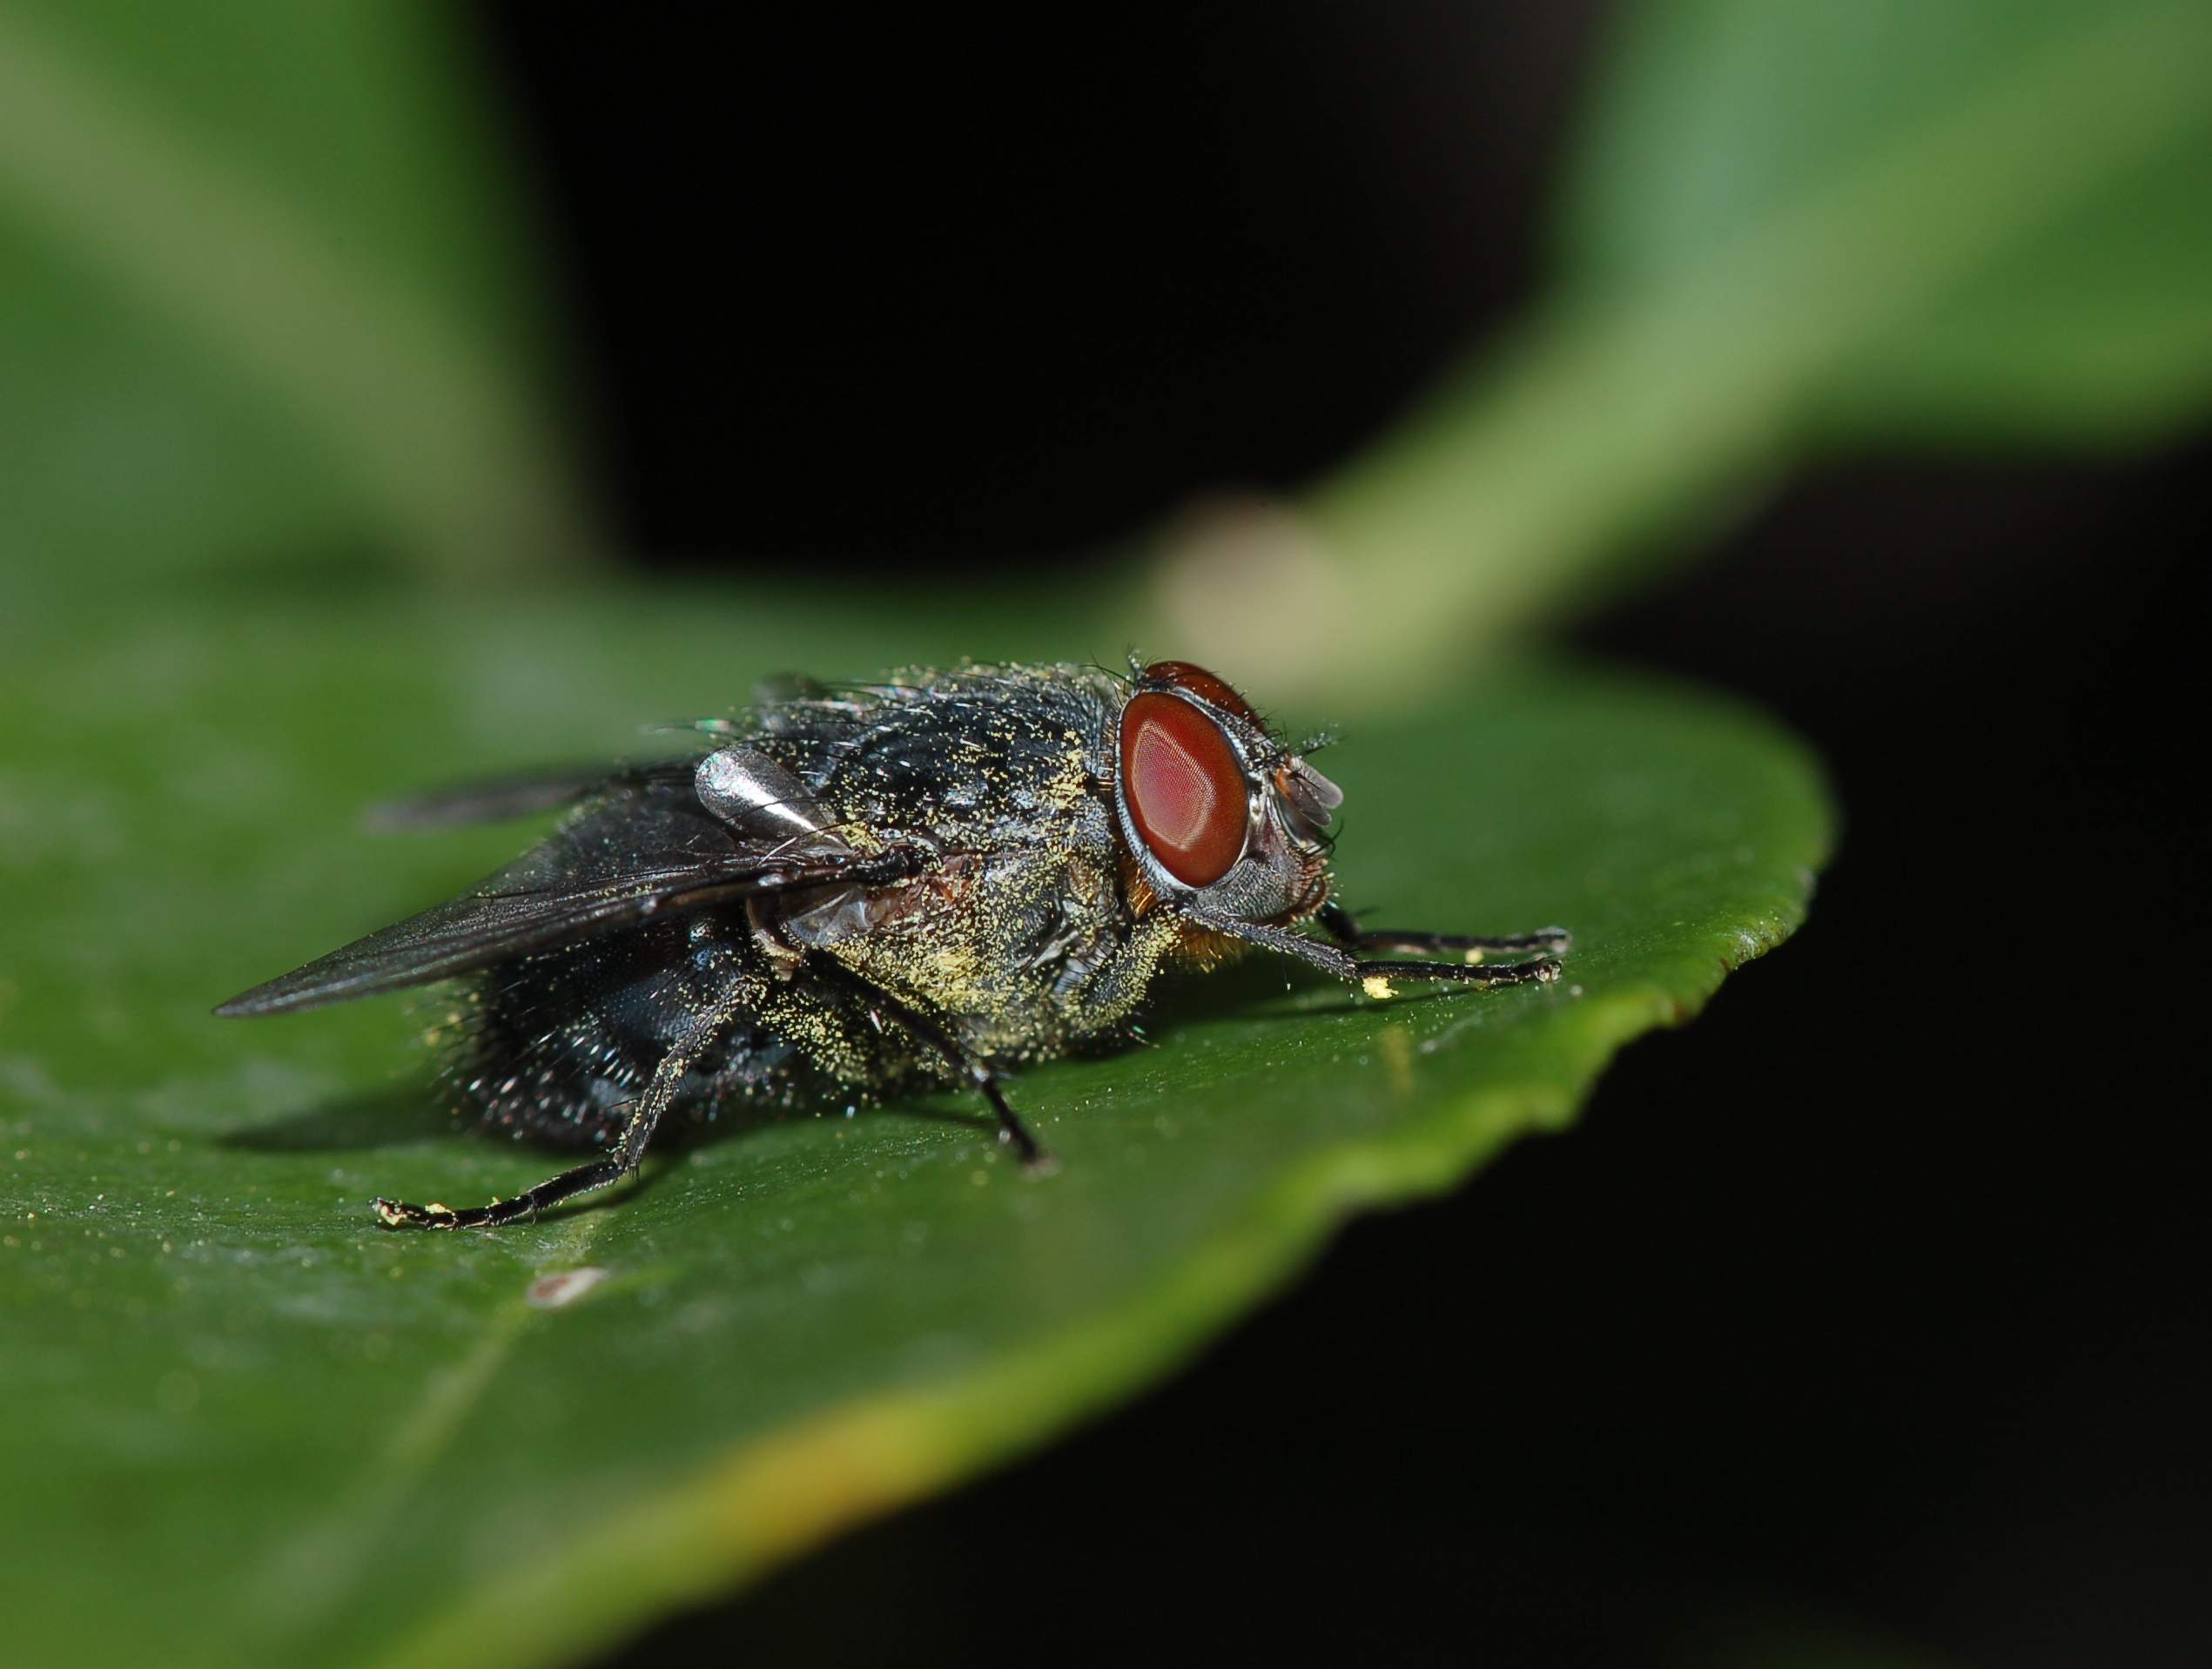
(268, 300)
(270, 320)
(1789, 227)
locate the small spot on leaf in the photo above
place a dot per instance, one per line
(564, 1287)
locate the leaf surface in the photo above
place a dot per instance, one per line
(238, 1416)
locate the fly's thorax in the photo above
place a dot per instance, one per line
(1023, 950)
(969, 758)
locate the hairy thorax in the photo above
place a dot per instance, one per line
(1026, 950)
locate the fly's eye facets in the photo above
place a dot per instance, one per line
(1185, 787)
(1215, 691)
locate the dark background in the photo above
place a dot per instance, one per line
(1872, 1307)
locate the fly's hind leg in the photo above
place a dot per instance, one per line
(1344, 927)
(622, 1159)
(979, 1072)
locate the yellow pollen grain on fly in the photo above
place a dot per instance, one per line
(1472, 957)
(1375, 985)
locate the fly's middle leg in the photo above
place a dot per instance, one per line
(979, 1072)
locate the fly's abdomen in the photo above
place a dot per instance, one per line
(559, 1045)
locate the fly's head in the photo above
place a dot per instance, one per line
(1217, 815)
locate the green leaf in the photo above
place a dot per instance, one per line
(266, 296)
(238, 1418)
(1793, 224)
(2064, 145)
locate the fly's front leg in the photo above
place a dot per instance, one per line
(1364, 971)
(1344, 927)
(622, 1160)
(979, 1072)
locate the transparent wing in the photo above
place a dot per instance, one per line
(650, 852)
(505, 797)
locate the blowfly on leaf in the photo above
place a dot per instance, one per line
(868, 889)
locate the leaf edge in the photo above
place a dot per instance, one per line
(867, 1459)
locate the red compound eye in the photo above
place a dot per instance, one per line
(1184, 789)
(1203, 684)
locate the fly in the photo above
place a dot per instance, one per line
(866, 890)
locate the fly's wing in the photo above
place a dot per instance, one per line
(503, 798)
(499, 920)
(648, 852)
